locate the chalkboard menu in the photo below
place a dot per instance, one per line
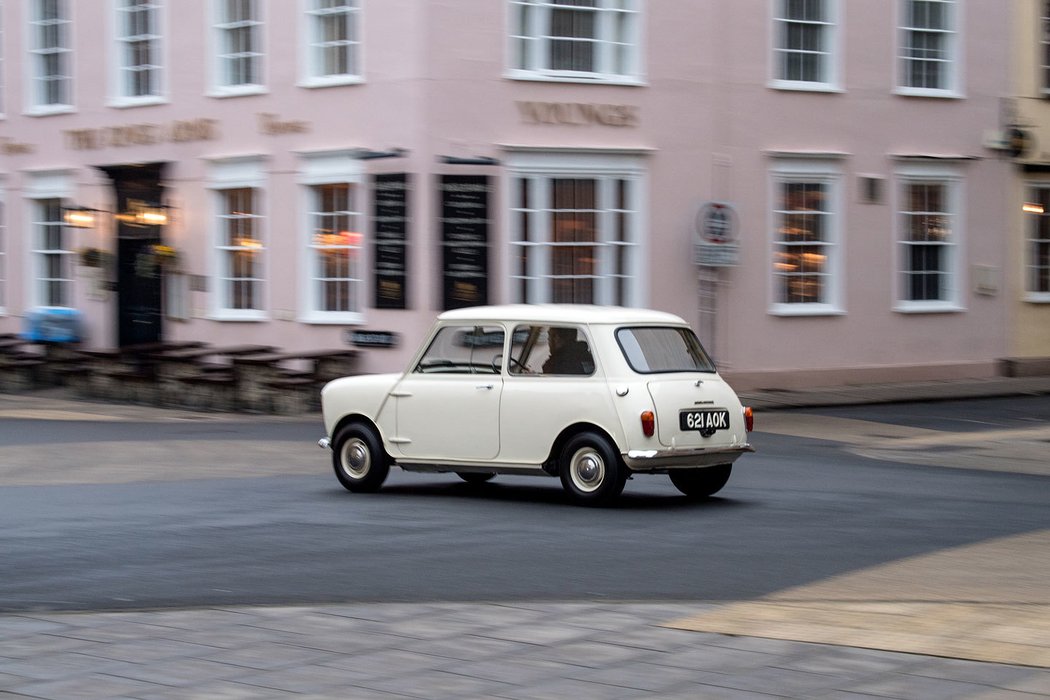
(391, 236)
(465, 239)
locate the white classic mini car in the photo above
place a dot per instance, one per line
(590, 394)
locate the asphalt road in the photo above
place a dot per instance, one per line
(221, 513)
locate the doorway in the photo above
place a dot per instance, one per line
(137, 188)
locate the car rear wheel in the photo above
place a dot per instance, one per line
(701, 483)
(590, 469)
(475, 477)
(360, 463)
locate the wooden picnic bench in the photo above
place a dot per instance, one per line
(291, 379)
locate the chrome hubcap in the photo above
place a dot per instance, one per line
(356, 459)
(588, 470)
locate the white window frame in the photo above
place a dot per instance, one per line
(330, 168)
(952, 179)
(4, 290)
(3, 50)
(617, 26)
(951, 62)
(1044, 49)
(243, 172)
(538, 167)
(827, 172)
(222, 54)
(1030, 240)
(313, 44)
(39, 187)
(35, 105)
(829, 54)
(121, 95)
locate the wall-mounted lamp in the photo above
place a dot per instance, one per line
(141, 214)
(477, 160)
(80, 217)
(368, 154)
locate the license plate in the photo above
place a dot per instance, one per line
(706, 421)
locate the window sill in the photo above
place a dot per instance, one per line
(48, 110)
(925, 92)
(928, 308)
(579, 78)
(801, 86)
(128, 102)
(237, 91)
(238, 316)
(328, 81)
(321, 318)
(804, 309)
(1037, 297)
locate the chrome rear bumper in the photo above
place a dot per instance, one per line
(660, 460)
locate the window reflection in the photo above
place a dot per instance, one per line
(337, 243)
(800, 257)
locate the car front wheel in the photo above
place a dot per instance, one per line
(701, 483)
(591, 470)
(360, 463)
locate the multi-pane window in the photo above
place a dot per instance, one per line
(239, 32)
(51, 253)
(575, 39)
(804, 242)
(50, 54)
(1, 68)
(335, 248)
(3, 257)
(928, 243)
(1044, 48)
(1037, 243)
(927, 46)
(804, 35)
(139, 49)
(574, 239)
(240, 249)
(332, 29)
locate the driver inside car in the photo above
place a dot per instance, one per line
(568, 355)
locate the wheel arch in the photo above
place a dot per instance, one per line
(550, 465)
(363, 420)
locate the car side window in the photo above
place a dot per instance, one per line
(463, 350)
(550, 350)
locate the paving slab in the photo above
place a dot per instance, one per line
(985, 602)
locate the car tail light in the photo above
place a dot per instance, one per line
(648, 423)
(749, 419)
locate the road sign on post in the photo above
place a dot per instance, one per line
(716, 244)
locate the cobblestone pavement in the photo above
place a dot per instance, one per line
(971, 623)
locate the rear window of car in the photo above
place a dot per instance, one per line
(651, 350)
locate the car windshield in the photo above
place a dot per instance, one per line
(651, 350)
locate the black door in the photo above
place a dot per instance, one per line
(139, 276)
(139, 316)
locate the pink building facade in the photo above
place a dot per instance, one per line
(808, 181)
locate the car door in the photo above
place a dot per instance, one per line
(545, 393)
(448, 406)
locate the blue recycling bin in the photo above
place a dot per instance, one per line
(49, 324)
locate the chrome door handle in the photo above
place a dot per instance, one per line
(484, 386)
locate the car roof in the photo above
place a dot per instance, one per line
(560, 313)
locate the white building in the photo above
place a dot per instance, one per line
(327, 165)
